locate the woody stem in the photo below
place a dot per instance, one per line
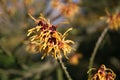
(64, 68)
(95, 50)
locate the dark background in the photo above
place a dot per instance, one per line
(17, 64)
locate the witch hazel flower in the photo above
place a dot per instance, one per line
(104, 73)
(46, 39)
(113, 20)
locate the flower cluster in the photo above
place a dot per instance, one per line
(44, 38)
(68, 10)
(113, 21)
(104, 73)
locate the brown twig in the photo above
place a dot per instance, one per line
(64, 68)
(95, 50)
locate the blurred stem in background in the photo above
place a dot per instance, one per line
(59, 74)
(92, 58)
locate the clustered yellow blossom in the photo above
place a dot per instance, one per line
(113, 21)
(68, 10)
(104, 73)
(44, 38)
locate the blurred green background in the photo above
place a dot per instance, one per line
(17, 64)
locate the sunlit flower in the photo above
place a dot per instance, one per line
(104, 73)
(113, 21)
(44, 38)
